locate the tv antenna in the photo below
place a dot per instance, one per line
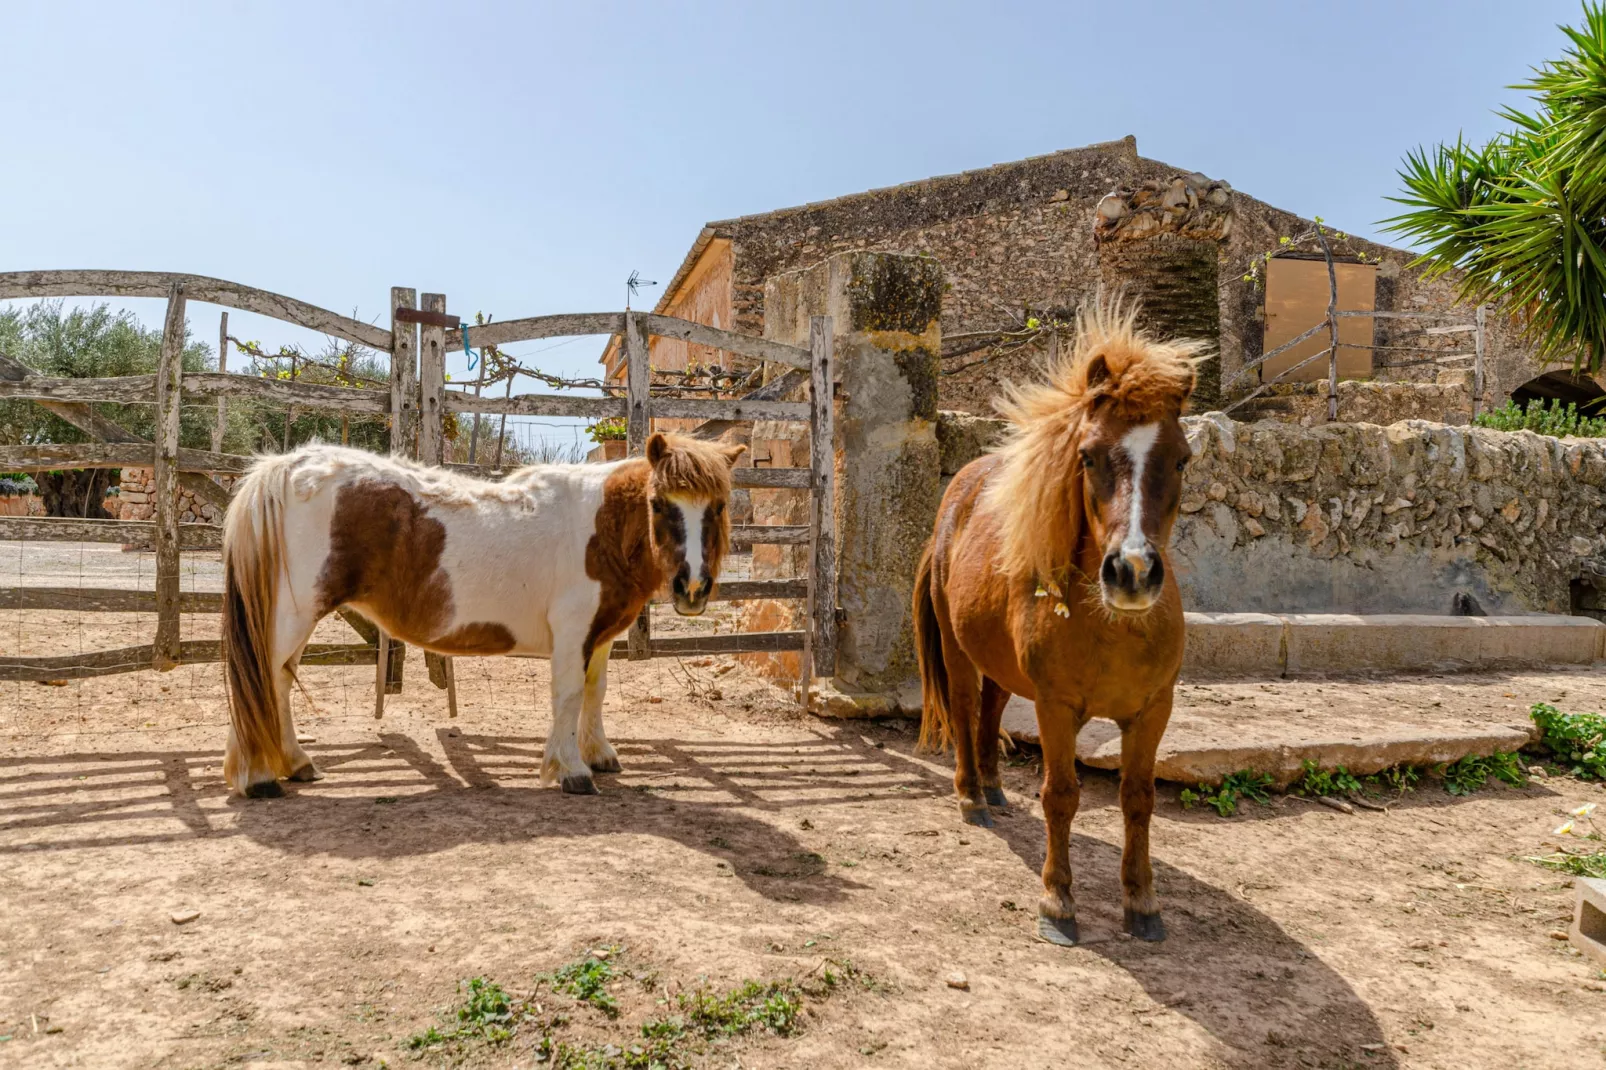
(633, 286)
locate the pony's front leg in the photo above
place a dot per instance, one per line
(563, 762)
(594, 746)
(1140, 738)
(1057, 727)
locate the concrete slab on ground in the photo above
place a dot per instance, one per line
(1205, 742)
(1273, 645)
(1588, 933)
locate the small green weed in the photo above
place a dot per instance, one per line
(1244, 784)
(1397, 778)
(1590, 865)
(587, 981)
(772, 1006)
(1314, 781)
(487, 1013)
(1576, 739)
(1471, 773)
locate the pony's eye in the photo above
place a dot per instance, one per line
(1086, 457)
(658, 507)
(719, 507)
(1182, 464)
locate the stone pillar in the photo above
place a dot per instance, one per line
(1160, 244)
(886, 311)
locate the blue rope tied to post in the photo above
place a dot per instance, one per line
(472, 359)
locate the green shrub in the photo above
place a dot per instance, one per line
(1471, 773)
(1576, 739)
(1545, 419)
(1314, 781)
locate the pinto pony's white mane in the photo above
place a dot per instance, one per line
(1036, 493)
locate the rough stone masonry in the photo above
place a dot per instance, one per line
(1416, 517)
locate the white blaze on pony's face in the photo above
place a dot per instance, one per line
(690, 521)
(1133, 481)
(691, 536)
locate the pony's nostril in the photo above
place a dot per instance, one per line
(1156, 572)
(1111, 572)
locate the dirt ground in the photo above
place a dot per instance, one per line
(745, 839)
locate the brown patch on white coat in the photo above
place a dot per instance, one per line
(554, 561)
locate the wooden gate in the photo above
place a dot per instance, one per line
(417, 402)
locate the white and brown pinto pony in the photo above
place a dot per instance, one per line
(1048, 578)
(554, 561)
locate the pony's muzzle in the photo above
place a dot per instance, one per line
(691, 596)
(1131, 577)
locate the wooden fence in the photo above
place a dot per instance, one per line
(418, 399)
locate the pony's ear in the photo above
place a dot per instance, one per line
(657, 448)
(1098, 372)
(733, 453)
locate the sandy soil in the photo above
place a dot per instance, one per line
(744, 839)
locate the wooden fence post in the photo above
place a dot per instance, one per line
(169, 397)
(822, 459)
(431, 384)
(1477, 364)
(638, 389)
(403, 373)
(222, 366)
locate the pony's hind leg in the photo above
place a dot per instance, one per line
(993, 701)
(1057, 727)
(1140, 738)
(595, 749)
(964, 702)
(297, 628)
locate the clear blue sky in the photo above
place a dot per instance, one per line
(523, 158)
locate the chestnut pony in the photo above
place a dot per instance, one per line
(1047, 578)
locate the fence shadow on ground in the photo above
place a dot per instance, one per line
(1226, 966)
(392, 798)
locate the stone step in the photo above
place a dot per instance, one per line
(1290, 644)
(1203, 744)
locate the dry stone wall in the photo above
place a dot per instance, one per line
(136, 495)
(1357, 518)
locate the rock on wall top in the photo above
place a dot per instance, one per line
(1190, 206)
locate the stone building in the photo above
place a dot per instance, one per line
(1035, 237)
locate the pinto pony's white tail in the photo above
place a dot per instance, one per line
(253, 559)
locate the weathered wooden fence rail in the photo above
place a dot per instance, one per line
(421, 334)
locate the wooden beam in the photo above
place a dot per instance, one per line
(638, 383)
(169, 401)
(47, 457)
(96, 426)
(431, 384)
(747, 345)
(794, 478)
(222, 368)
(502, 332)
(96, 283)
(141, 389)
(784, 534)
(730, 643)
(140, 534)
(822, 460)
(104, 600)
(403, 374)
(138, 658)
(774, 390)
(538, 405)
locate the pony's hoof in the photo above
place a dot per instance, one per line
(579, 784)
(976, 815)
(306, 774)
(994, 797)
(264, 789)
(1059, 931)
(609, 764)
(1144, 926)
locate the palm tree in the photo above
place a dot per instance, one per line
(1523, 218)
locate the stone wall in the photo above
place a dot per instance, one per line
(1357, 518)
(1020, 236)
(139, 485)
(1363, 401)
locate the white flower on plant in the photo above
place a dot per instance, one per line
(1585, 810)
(1061, 609)
(1564, 829)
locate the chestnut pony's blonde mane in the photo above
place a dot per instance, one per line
(1036, 493)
